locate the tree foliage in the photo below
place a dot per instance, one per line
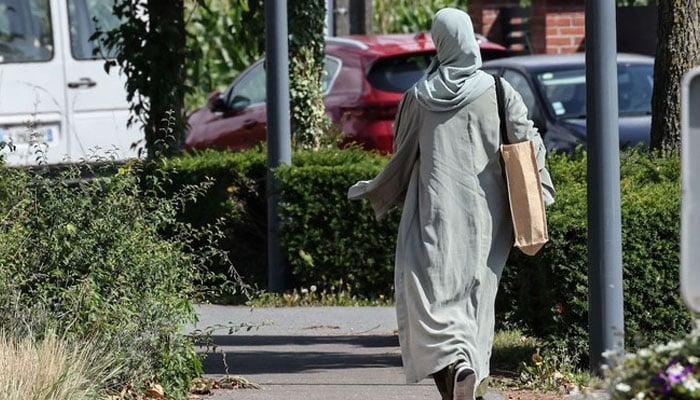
(678, 50)
(166, 53)
(223, 38)
(306, 56)
(408, 16)
(150, 50)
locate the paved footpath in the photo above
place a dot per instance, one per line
(310, 353)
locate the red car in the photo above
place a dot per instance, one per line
(364, 78)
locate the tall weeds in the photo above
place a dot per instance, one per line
(52, 368)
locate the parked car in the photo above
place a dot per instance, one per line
(554, 90)
(53, 90)
(363, 80)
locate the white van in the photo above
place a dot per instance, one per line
(55, 95)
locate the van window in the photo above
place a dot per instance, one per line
(85, 17)
(25, 31)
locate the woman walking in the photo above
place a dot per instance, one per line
(455, 232)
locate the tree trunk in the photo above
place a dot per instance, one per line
(166, 92)
(678, 50)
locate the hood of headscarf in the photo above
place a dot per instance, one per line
(453, 78)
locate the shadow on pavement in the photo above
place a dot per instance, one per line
(257, 340)
(251, 355)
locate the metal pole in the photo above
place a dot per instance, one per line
(278, 134)
(330, 18)
(606, 318)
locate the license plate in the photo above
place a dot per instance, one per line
(23, 135)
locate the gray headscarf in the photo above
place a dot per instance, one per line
(454, 78)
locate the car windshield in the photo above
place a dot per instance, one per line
(25, 31)
(397, 74)
(565, 90)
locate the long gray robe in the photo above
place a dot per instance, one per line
(455, 232)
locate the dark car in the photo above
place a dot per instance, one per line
(364, 78)
(554, 90)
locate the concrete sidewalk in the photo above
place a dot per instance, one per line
(310, 353)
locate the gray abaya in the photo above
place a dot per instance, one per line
(455, 232)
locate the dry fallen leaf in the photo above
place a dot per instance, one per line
(155, 392)
(237, 382)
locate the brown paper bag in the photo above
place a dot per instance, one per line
(525, 195)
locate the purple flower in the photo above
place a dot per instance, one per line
(661, 381)
(675, 373)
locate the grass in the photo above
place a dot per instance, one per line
(312, 297)
(52, 369)
(510, 349)
(522, 362)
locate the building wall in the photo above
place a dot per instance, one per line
(557, 26)
(554, 26)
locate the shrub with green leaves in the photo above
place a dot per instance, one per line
(334, 244)
(235, 201)
(86, 258)
(549, 293)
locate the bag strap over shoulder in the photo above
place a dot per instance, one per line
(500, 98)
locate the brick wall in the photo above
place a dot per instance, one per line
(487, 19)
(555, 26)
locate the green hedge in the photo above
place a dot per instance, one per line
(235, 200)
(549, 293)
(331, 242)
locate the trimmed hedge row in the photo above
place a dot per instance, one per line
(333, 242)
(549, 293)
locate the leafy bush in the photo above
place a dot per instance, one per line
(87, 258)
(334, 244)
(235, 200)
(330, 241)
(549, 293)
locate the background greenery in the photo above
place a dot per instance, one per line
(223, 38)
(408, 16)
(87, 260)
(333, 243)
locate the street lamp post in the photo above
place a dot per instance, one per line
(278, 134)
(606, 319)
